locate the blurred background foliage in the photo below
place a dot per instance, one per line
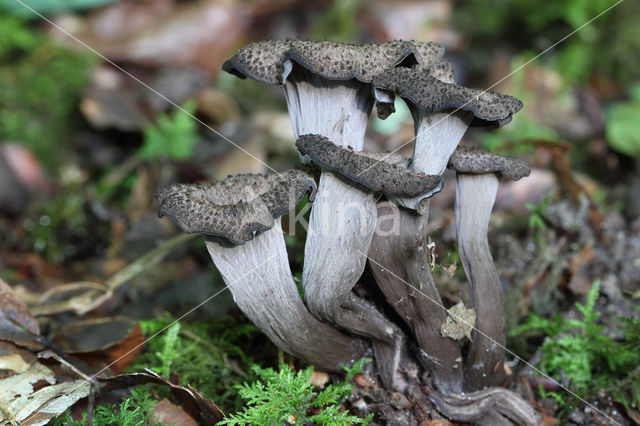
(40, 81)
(609, 48)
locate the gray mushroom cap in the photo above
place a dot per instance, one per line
(434, 90)
(368, 170)
(473, 160)
(264, 61)
(234, 208)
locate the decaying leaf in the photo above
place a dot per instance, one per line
(20, 402)
(16, 323)
(112, 341)
(14, 359)
(167, 413)
(459, 323)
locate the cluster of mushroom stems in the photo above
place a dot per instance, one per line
(365, 207)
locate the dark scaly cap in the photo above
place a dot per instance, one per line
(477, 161)
(369, 170)
(259, 60)
(236, 207)
(263, 61)
(433, 89)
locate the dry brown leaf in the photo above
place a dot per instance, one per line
(21, 403)
(102, 341)
(435, 422)
(319, 378)
(199, 34)
(115, 109)
(16, 323)
(459, 323)
(580, 284)
(167, 413)
(365, 381)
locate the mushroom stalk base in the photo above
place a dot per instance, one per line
(481, 407)
(399, 255)
(475, 196)
(258, 275)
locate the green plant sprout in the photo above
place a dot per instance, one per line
(536, 221)
(169, 353)
(285, 397)
(172, 136)
(623, 127)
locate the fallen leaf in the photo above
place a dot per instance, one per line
(21, 403)
(16, 323)
(365, 381)
(435, 422)
(165, 412)
(199, 34)
(115, 342)
(319, 378)
(459, 323)
(115, 109)
(14, 359)
(580, 283)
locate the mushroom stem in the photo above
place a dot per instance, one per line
(475, 196)
(337, 109)
(437, 136)
(274, 305)
(343, 216)
(341, 225)
(399, 256)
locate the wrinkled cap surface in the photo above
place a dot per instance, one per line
(477, 161)
(259, 60)
(234, 208)
(371, 171)
(434, 90)
(264, 61)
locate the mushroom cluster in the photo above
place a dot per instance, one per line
(330, 89)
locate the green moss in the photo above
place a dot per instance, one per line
(207, 356)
